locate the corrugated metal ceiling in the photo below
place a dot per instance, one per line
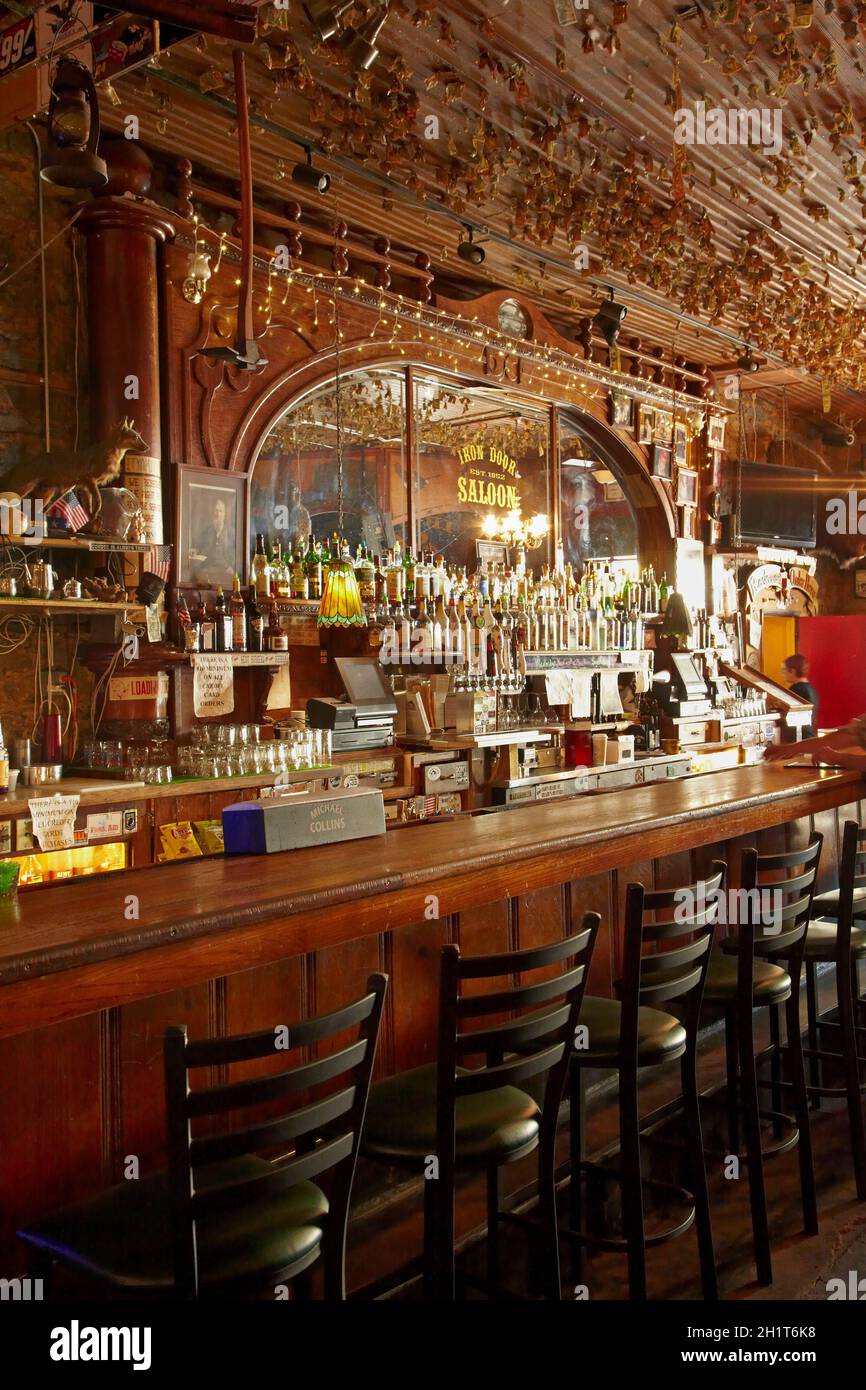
(430, 57)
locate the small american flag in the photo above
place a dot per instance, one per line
(67, 513)
(160, 561)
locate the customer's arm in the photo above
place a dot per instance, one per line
(845, 747)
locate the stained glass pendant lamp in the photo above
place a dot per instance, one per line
(341, 604)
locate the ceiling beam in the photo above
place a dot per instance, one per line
(226, 19)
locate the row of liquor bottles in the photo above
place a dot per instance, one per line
(232, 623)
(403, 578)
(436, 630)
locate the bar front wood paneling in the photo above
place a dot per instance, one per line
(236, 945)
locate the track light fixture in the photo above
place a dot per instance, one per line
(359, 45)
(325, 18)
(310, 177)
(470, 251)
(748, 363)
(609, 317)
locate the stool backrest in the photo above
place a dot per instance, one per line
(321, 1131)
(666, 958)
(852, 875)
(537, 1035)
(777, 907)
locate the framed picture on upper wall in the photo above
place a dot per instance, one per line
(716, 432)
(211, 527)
(681, 443)
(663, 431)
(662, 462)
(687, 487)
(621, 410)
(644, 424)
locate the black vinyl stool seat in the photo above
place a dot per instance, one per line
(480, 1117)
(222, 1219)
(664, 960)
(827, 904)
(842, 944)
(745, 975)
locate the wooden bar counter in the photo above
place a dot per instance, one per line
(92, 971)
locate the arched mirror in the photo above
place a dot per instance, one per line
(294, 487)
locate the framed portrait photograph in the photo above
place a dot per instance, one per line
(211, 527)
(687, 487)
(663, 431)
(681, 443)
(644, 424)
(621, 410)
(716, 432)
(662, 462)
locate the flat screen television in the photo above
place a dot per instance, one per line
(776, 505)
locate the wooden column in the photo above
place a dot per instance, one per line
(123, 235)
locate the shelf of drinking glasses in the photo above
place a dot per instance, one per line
(247, 658)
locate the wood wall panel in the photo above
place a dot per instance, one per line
(140, 1038)
(413, 964)
(52, 1124)
(594, 894)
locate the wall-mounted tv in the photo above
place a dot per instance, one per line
(775, 505)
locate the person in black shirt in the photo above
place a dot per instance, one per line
(796, 669)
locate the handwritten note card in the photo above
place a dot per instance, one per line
(213, 690)
(54, 820)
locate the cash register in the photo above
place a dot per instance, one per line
(366, 718)
(682, 692)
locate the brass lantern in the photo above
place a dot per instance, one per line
(71, 160)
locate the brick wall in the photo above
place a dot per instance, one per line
(21, 399)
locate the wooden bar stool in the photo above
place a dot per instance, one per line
(222, 1220)
(450, 1118)
(843, 944)
(744, 976)
(663, 960)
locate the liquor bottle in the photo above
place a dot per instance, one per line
(440, 628)
(300, 584)
(284, 581)
(255, 625)
(365, 573)
(394, 577)
(276, 638)
(238, 615)
(379, 580)
(261, 570)
(423, 633)
(409, 576)
(206, 627)
(313, 566)
(223, 622)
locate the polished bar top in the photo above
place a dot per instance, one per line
(280, 904)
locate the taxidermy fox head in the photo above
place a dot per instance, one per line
(127, 437)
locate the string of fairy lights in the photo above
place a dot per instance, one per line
(557, 369)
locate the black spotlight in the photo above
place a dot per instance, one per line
(747, 363)
(838, 436)
(470, 251)
(309, 177)
(609, 317)
(325, 18)
(359, 45)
